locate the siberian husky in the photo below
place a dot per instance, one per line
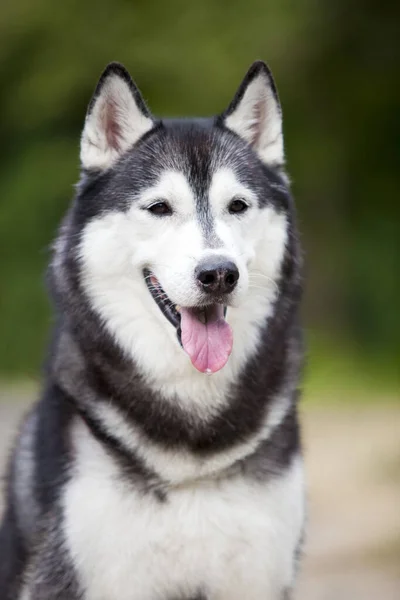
(163, 459)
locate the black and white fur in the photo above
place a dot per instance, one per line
(136, 477)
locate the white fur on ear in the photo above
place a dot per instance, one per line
(255, 115)
(117, 117)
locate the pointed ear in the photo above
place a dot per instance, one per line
(117, 117)
(255, 115)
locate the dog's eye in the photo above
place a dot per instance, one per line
(161, 209)
(237, 206)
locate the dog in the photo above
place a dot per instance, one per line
(163, 459)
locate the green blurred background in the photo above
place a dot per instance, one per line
(336, 66)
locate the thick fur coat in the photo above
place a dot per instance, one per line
(163, 459)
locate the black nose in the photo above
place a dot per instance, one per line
(217, 275)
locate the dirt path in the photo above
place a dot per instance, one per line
(353, 469)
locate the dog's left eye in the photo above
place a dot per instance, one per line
(161, 209)
(237, 206)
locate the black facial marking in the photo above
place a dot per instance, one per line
(207, 224)
(195, 148)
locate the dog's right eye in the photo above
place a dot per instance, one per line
(161, 209)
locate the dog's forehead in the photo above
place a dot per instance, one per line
(198, 151)
(204, 158)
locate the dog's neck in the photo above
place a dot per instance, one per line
(150, 428)
(221, 422)
(168, 448)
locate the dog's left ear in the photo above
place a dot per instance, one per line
(116, 119)
(255, 115)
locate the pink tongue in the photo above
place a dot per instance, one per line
(208, 344)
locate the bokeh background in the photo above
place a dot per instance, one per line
(337, 69)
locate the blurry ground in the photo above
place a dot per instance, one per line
(353, 464)
(353, 467)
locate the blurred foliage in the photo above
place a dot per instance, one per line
(336, 65)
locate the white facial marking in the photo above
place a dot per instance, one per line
(117, 246)
(225, 186)
(232, 537)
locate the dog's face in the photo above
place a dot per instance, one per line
(184, 223)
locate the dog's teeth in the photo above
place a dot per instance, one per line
(178, 308)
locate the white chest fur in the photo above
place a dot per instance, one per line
(231, 539)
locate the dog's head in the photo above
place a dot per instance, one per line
(183, 223)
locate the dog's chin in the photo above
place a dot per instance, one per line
(201, 330)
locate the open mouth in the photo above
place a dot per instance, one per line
(169, 310)
(202, 330)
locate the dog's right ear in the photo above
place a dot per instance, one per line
(117, 117)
